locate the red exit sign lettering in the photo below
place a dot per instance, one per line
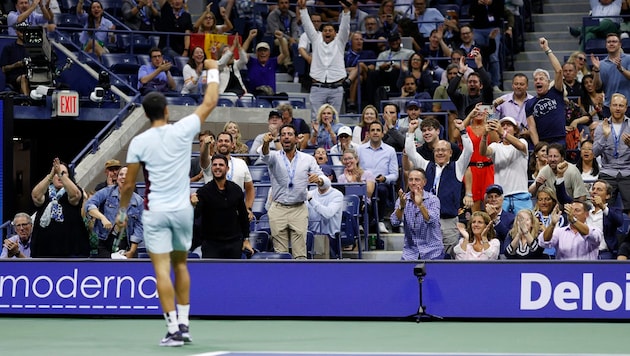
(67, 103)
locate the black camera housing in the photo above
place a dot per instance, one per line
(420, 270)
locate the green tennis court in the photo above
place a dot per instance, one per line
(116, 337)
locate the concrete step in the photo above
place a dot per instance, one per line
(560, 8)
(556, 22)
(288, 87)
(558, 45)
(375, 255)
(550, 36)
(540, 56)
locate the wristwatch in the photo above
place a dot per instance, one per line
(60, 174)
(574, 219)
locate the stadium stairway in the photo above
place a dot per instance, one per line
(552, 24)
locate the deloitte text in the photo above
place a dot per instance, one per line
(571, 295)
(74, 286)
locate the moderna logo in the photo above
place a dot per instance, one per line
(537, 292)
(76, 291)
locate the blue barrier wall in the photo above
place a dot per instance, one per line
(324, 289)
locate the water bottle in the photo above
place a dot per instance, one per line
(372, 242)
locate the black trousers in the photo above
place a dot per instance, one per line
(230, 249)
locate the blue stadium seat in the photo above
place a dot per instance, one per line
(181, 100)
(350, 223)
(260, 174)
(225, 102)
(259, 240)
(121, 63)
(310, 245)
(258, 208)
(135, 43)
(596, 46)
(67, 20)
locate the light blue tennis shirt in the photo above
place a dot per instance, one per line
(289, 179)
(164, 153)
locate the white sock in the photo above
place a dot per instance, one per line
(171, 321)
(182, 314)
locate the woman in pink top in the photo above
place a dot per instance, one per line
(479, 241)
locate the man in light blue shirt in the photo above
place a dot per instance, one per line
(25, 11)
(428, 18)
(380, 159)
(291, 172)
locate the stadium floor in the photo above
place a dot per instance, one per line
(111, 336)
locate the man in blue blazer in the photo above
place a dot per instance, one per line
(606, 218)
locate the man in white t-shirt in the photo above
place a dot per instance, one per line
(510, 163)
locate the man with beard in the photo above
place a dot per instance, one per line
(546, 112)
(328, 71)
(237, 168)
(291, 172)
(561, 176)
(221, 206)
(373, 33)
(479, 86)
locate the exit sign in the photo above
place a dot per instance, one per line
(66, 103)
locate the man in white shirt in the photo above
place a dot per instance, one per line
(328, 70)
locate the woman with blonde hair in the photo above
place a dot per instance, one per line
(233, 129)
(479, 240)
(579, 59)
(324, 131)
(522, 240)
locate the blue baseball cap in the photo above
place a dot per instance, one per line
(494, 188)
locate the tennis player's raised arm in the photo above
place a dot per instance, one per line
(211, 97)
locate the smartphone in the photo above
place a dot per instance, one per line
(472, 52)
(488, 109)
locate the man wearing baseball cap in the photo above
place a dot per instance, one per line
(344, 141)
(275, 121)
(112, 167)
(413, 109)
(510, 163)
(502, 219)
(262, 67)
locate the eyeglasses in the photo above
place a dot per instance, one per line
(344, 136)
(465, 33)
(581, 58)
(20, 226)
(157, 56)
